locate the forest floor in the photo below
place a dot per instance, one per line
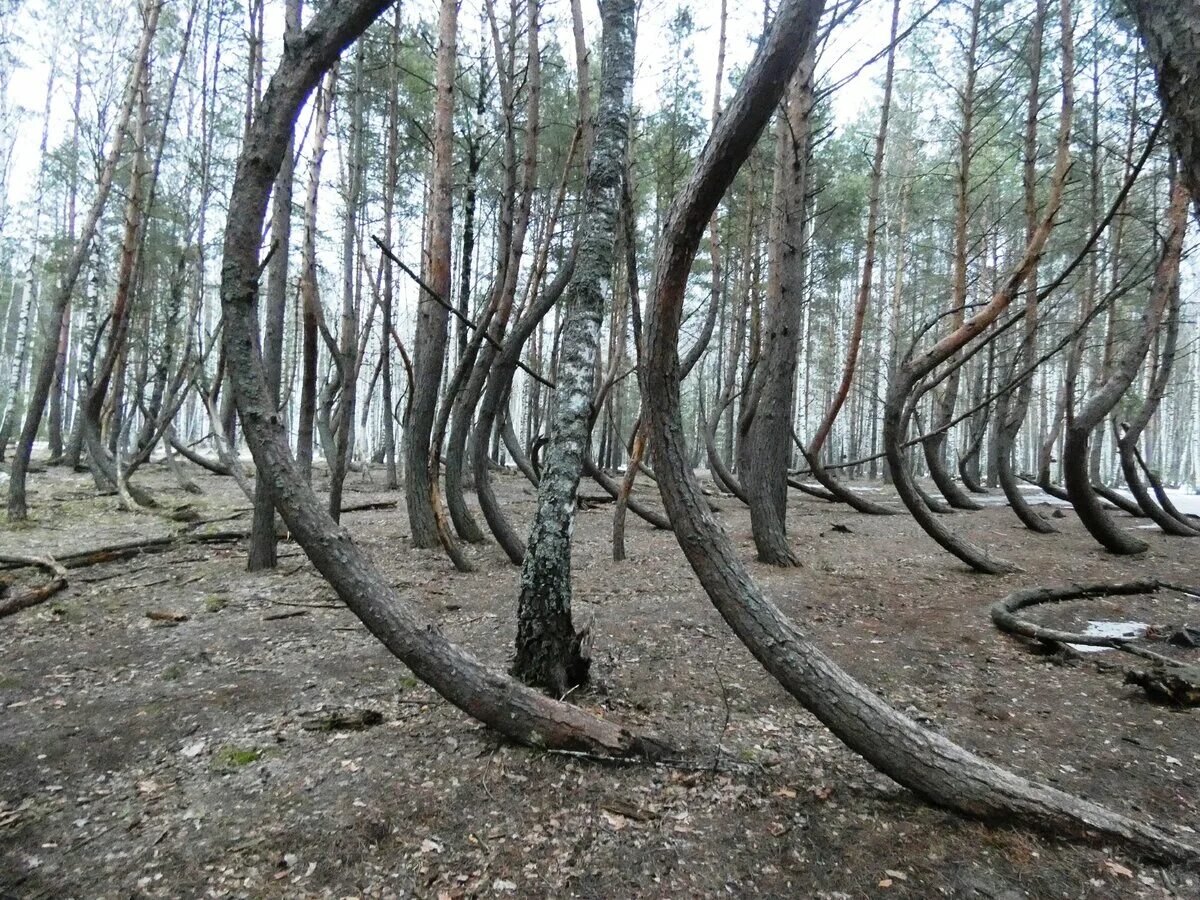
(164, 756)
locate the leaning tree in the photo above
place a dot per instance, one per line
(928, 763)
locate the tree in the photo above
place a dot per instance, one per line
(926, 762)
(429, 348)
(519, 712)
(262, 533)
(550, 653)
(1170, 33)
(1125, 369)
(17, 507)
(766, 421)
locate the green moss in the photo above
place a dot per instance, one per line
(408, 683)
(231, 757)
(172, 672)
(215, 603)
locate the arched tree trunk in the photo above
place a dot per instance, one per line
(924, 761)
(813, 454)
(1017, 402)
(495, 398)
(520, 713)
(898, 408)
(944, 401)
(1129, 433)
(1124, 370)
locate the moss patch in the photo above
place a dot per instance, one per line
(231, 757)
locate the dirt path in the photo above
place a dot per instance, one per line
(144, 757)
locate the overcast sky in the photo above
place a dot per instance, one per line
(850, 47)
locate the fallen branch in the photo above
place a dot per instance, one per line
(1167, 680)
(40, 594)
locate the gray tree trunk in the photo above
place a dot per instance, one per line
(549, 652)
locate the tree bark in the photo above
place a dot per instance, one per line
(310, 298)
(429, 348)
(813, 454)
(924, 761)
(1170, 32)
(549, 653)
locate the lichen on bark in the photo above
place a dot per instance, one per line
(549, 653)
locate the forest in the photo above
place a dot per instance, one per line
(556, 448)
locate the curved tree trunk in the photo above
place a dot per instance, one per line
(897, 409)
(1124, 371)
(813, 454)
(1017, 403)
(924, 761)
(1129, 433)
(516, 208)
(17, 507)
(496, 397)
(518, 712)
(945, 400)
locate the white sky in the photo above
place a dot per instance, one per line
(849, 48)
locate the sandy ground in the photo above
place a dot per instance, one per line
(151, 758)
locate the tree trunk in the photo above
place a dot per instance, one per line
(1016, 404)
(429, 349)
(549, 652)
(945, 400)
(1124, 371)
(899, 407)
(263, 539)
(310, 298)
(769, 435)
(1170, 32)
(813, 454)
(17, 508)
(924, 761)
(522, 714)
